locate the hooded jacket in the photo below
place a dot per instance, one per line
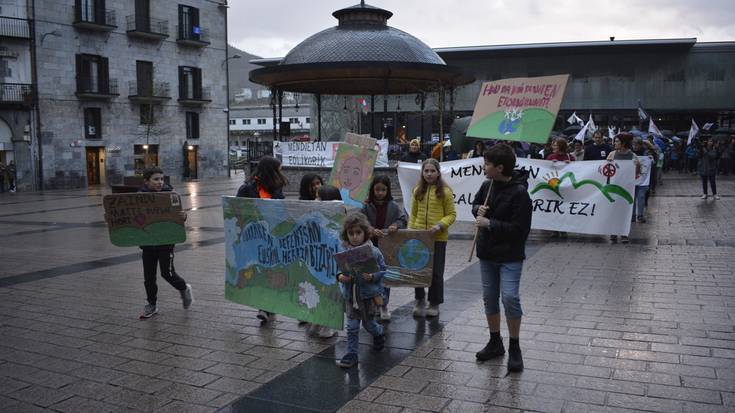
(510, 219)
(431, 210)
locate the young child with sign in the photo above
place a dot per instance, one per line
(385, 217)
(362, 291)
(162, 255)
(267, 182)
(432, 209)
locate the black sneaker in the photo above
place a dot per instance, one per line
(349, 360)
(494, 348)
(515, 360)
(379, 342)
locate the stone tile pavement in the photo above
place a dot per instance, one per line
(640, 327)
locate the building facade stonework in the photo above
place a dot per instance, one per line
(125, 84)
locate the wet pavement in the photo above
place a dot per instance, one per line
(608, 327)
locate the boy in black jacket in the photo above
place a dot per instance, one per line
(160, 254)
(503, 222)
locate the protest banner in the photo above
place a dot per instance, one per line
(322, 154)
(353, 170)
(519, 109)
(144, 219)
(409, 258)
(588, 197)
(356, 262)
(280, 257)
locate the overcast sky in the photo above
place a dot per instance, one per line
(270, 28)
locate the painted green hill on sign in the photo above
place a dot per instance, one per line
(534, 126)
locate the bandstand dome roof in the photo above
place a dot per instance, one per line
(361, 55)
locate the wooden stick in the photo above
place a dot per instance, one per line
(477, 230)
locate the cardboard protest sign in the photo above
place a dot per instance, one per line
(353, 170)
(144, 219)
(519, 109)
(409, 258)
(589, 197)
(280, 257)
(357, 261)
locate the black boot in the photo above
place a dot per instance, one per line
(515, 359)
(494, 348)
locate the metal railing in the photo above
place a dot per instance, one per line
(204, 93)
(95, 86)
(156, 89)
(193, 33)
(14, 27)
(16, 93)
(83, 15)
(155, 26)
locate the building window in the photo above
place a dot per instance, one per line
(189, 23)
(144, 156)
(190, 83)
(246, 121)
(92, 123)
(92, 74)
(147, 115)
(261, 121)
(144, 78)
(192, 125)
(675, 77)
(308, 120)
(233, 122)
(293, 120)
(716, 76)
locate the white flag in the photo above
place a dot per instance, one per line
(593, 127)
(575, 119)
(612, 131)
(708, 125)
(692, 132)
(583, 132)
(652, 128)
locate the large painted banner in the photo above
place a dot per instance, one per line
(144, 218)
(321, 154)
(353, 169)
(588, 197)
(409, 258)
(519, 109)
(280, 257)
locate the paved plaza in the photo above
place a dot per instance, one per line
(647, 326)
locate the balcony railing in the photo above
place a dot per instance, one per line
(14, 27)
(155, 92)
(16, 93)
(90, 88)
(192, 36)
(85, 18)
(196, 97)
(155, 29)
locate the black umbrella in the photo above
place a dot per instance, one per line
(572, 130)
(666, 132)
(724, 131)
(682, 134)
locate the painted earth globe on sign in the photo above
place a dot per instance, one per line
(413, 255)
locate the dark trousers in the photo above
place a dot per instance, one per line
(712, 184)
(164, 256)
(436, 291)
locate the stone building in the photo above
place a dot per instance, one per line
(124, 84)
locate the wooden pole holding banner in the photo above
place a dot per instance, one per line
(477, 230)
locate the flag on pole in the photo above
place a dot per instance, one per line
(707, 126)
(363, 105)
(575, 119)
(583, 132)
(612, 131)
(692, 132)
(652, 128)
(593, 127)
(641, 113)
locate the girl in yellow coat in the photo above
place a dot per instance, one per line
(432, 209)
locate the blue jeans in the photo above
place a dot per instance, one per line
(386, 295)
(505, 278)
(353, 332)
(640, 201)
